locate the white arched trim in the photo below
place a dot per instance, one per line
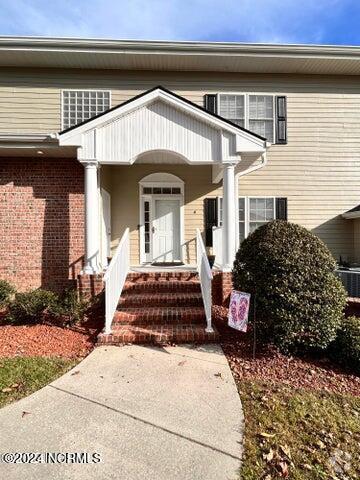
(161, 177)
(161, 156)
(165, 181)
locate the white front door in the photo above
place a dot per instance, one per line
(166, 231)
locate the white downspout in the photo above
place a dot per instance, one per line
(237, 176)
(255, 167)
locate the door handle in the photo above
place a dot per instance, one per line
(153, 229)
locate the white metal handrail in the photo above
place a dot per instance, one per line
(115, 277)
(205, 276)
(217, 245)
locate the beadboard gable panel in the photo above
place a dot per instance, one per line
(158, 126)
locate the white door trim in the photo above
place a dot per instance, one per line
(158, 180)
(105, 226)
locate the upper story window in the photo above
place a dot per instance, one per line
(254, 112)
(80, 105)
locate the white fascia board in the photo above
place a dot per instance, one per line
(28, 137)
(91, 45)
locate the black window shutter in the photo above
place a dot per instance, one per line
(210, 103)
(281, 121)
(210, 219)
(281, 209)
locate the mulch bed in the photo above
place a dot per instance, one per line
(46, 341)
(271, 366)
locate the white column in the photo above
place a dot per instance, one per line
(91, 217)
(229, 216)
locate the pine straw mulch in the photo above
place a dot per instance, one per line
(309, 372)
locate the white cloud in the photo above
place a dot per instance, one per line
(237, 20)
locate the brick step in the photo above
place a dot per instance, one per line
(151, 276)
(162, 285)
(159, 315)
(158, 334)
(186, 299)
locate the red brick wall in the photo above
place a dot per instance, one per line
(41, 221)
(89, 286)
(221, 288)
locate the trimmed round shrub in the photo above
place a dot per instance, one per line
(6, 292)
(346, 348)
(299, 300)
(28, 307)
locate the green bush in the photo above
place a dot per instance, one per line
(346, 348)
(6, 291)
(299, 300)
(28, 307)
(70, 306)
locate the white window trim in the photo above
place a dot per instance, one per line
(247, 211)
(246, 107)
(63, 90)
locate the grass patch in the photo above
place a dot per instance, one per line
(22, 376)
(299, 434)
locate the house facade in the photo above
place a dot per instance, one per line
(162, 139)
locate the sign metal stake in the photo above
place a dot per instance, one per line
(254, 327)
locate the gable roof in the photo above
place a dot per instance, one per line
(186, 129)
(168, 92)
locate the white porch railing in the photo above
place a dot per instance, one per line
(205, 276)
(115, 277)
(217, 245)
(351, 281)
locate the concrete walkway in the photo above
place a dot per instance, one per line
(151, 413)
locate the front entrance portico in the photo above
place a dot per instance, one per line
(169, 130)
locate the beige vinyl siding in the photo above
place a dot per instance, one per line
(319, 169)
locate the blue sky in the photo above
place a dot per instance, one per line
(277, 21)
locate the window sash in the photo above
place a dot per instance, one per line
(232, 107)
(80, 105)
(258, 114)
(253, 212)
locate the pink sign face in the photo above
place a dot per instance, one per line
(239, 310)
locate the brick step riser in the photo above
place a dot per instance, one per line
(128, 302)
(157, 338)
(154, 276)
(162, 287)
(158, 319)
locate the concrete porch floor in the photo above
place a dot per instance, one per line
(162, 268)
